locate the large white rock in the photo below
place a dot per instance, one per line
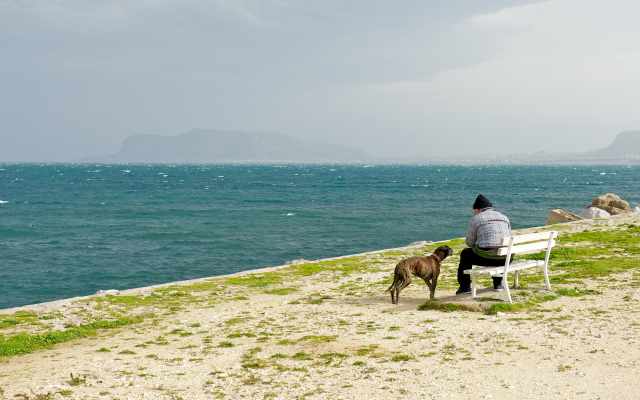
(594, 212)
(637, 209)
(611, 203)
(561, 217)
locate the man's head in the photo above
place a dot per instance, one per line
(480, 204)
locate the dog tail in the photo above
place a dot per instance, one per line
(396, 282)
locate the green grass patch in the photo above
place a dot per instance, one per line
(17, 318)
(504, 307)
(241, 334)
(425, 305)
(334, 355)
(271, 278)
(319, 338)
(282, 291)
(454, 243)
(235, 321)
(450, 308)
(24, 343)
(401, 358)
(77, 380)
(345, 265)
(301, 356)
(575, 292)
(363, 351)
(134, 301)
(395, 253)
(254, 364)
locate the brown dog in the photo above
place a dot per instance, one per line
(422, 267)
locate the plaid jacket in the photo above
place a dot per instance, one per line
(487, 228)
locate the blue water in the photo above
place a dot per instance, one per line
(73, 229)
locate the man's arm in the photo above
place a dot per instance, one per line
(471, 234)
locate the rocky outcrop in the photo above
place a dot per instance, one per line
(296, 262)
(611, 203)
(420, 243)
(560, 217)
(594, 212)
(625, 144)
(213, 146)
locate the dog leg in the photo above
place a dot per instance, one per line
(395, 290)
(397, 276)
(434, 282)
(432, 287)
(405, 283)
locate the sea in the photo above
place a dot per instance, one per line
(72, 229)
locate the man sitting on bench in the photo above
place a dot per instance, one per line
(486, 229)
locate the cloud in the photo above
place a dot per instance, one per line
(558, 76)
(388, 77)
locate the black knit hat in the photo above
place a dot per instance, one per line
(481, 202)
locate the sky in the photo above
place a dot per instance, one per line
(393, 78)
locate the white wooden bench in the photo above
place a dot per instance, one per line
(533, 242)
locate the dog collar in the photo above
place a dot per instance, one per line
(437, 258)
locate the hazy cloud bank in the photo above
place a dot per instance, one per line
(390, 78)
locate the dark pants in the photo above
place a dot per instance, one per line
(468, 259)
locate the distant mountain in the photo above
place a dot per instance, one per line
(211, 146)
(625, 149)
(216, 146)
(626, 144)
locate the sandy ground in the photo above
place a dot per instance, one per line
(351, 344)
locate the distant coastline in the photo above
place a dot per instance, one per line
(211, 146)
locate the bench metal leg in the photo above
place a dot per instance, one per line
(505, 284)
(546, 279)
(515, 279)
(473, 286)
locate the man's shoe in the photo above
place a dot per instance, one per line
(498, 287)
(463, 290)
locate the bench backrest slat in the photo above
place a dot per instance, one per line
(526, 247)
(530, 237)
